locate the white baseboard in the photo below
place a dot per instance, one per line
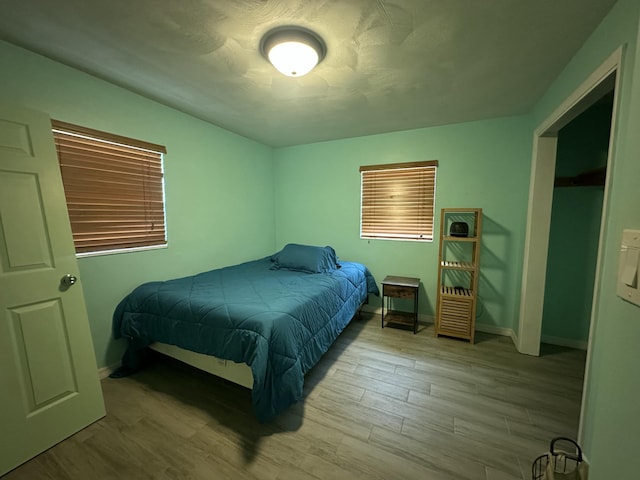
(565, 342)
(515, 340)
(378, 311)
(104, 372)
(367, 307)
(585, 459)
(494, 330)
(486, 328)
(480, 327)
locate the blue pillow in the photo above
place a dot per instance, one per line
(306, 258)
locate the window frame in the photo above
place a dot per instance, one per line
(136, 190)
(415, 180)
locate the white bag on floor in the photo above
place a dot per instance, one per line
(556, 465)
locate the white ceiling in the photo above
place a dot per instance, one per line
(390, 65)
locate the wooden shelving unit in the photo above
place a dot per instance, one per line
(458, 272)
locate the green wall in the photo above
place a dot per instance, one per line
(481, 164)
(610, 427)
(231, 199)
(575, 228)
(218, 185)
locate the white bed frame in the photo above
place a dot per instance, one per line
(239, 373)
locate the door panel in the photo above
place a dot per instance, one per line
(42, 349)
(22, 224)
(15, 135)
(49, 386)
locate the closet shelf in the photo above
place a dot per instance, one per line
(591, 178)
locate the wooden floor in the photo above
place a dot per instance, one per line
(381, 404)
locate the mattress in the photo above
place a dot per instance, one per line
(277, 321)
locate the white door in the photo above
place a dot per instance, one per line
(49, 385)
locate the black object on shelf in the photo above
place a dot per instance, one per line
(459, 229)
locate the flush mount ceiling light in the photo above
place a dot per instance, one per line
(294, 51)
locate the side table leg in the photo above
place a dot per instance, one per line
(415, 313)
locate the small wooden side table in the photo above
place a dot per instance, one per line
(400, 287)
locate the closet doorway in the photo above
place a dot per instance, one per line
(601, 87)
(576, 215)
(600, 84)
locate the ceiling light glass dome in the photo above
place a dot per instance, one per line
(293, 51)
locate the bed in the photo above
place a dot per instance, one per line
(278, 315)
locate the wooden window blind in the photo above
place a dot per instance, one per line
(398, 200)
(114, 189)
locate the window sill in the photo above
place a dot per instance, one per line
(119, 251)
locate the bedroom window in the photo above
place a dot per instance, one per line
(114, 190)
(397, 200)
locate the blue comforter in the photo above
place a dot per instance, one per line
(279, 322)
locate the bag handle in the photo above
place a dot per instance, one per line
(573, 456)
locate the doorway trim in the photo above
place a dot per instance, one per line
(605, 78)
